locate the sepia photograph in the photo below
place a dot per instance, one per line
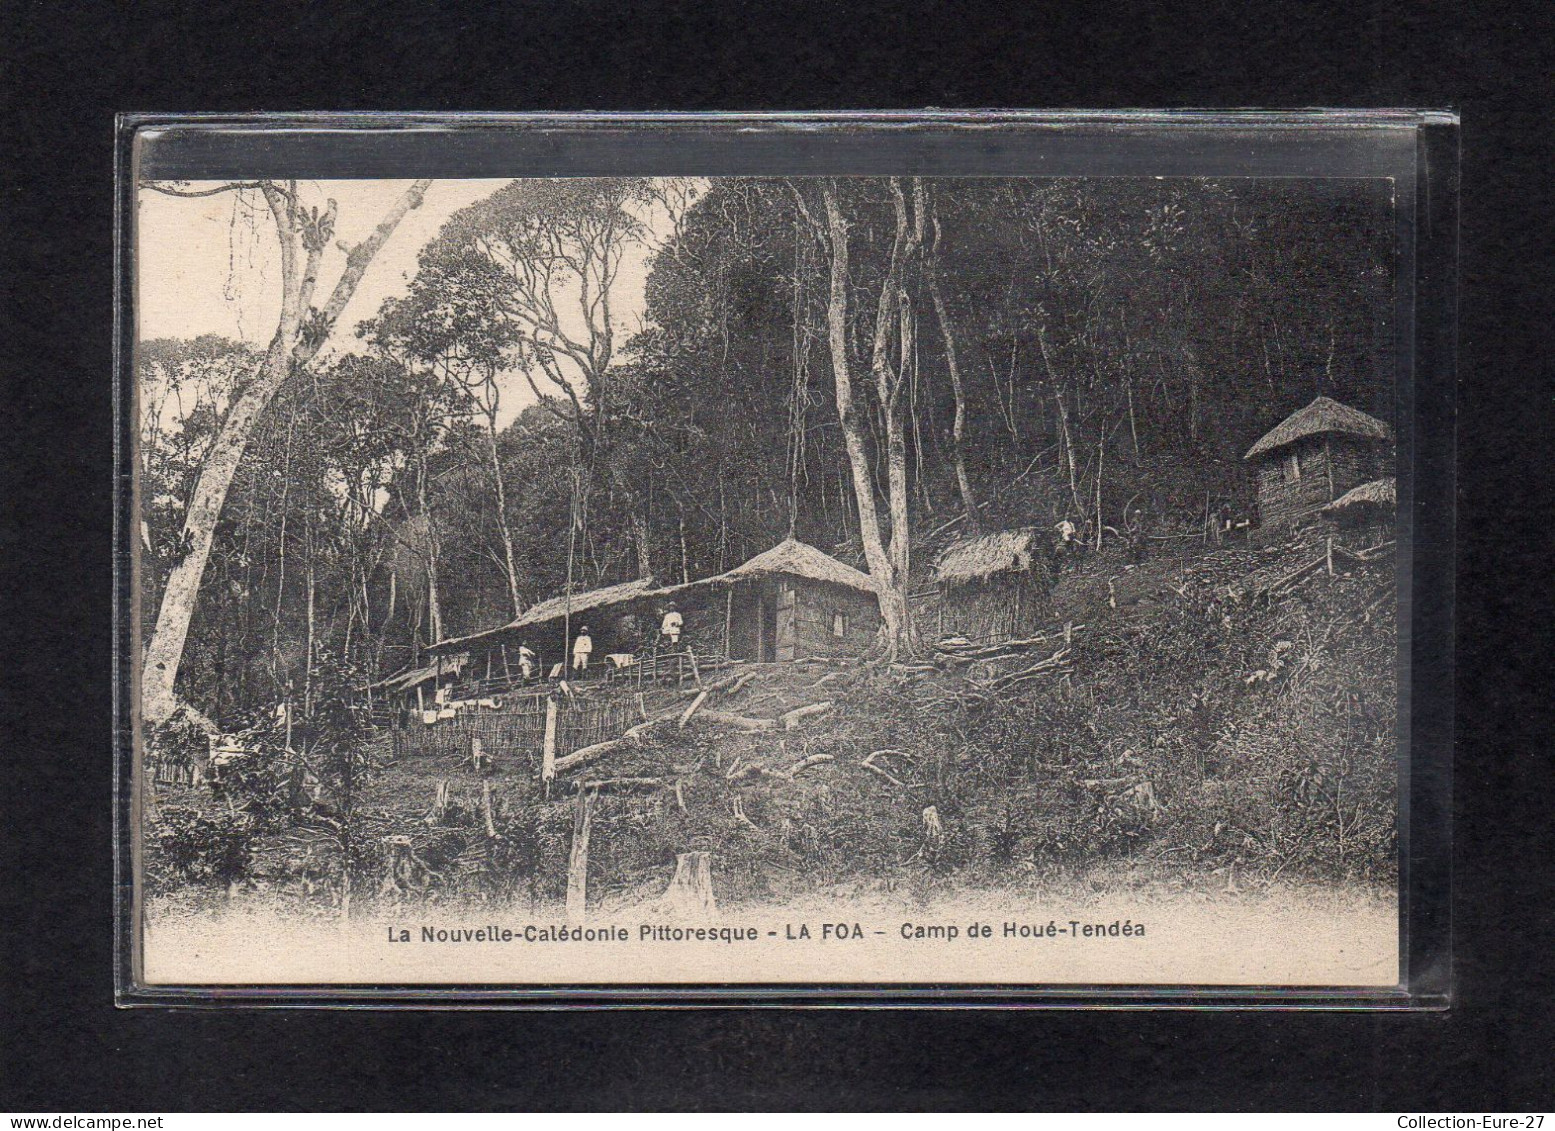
(889, 580)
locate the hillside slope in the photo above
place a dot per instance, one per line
(1207, 726)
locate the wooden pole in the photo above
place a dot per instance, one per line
(548, 752)
(1330, 555)
(578, 859)
(1101, 460)
(728, 623)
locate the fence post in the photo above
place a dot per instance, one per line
(548, 751)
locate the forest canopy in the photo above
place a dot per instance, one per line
(1017, 352)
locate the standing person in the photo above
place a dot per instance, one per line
(670, 627)
(1064, 544)
(582, 648)
(526, 661)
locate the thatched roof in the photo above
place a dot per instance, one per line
(798, 559)
(554, 608)
(1323, 415)
(1379, 493)
(582, 602)
(981, 558)
(789, 557)
(405, 680)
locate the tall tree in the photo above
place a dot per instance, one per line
(303, 234)
(888, 564)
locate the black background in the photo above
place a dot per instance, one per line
(69, 67)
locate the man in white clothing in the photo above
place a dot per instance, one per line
(670, 628)
(582, 648)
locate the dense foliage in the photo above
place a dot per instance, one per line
(1117, 340)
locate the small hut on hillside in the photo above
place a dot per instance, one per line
(996, 587)
(1365, 513)
(1314, 456)
(794, 601)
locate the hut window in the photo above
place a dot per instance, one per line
(1293, 466)
(839, 624)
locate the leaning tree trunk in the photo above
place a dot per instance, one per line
(289, 349)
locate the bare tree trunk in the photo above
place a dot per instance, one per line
(302, 241)
(890, 593)
(974, 524)
(429, 556)
(505, 529)
(1063, 424)
(643, 544)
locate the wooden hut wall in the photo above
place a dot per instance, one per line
(1007, 606)
(815, 607)
(1355, 463)
(1330, 466)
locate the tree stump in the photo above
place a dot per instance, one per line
(578, 859)
(486, 810)
(439, 808)
(398, 858)
(689, 897)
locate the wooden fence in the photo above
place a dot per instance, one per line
(516, 730)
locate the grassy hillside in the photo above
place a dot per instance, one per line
(1220, 722)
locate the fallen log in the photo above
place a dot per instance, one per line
(1368, 555)
(742, 722)
(591, 754)
(956, 654)
(635, 733)
(890, 777)
(749, 770)
(1289, 580)
(740, 683)
(691, 710)
(739, 814)
(791, 719)
(805, 763)
(721, 685)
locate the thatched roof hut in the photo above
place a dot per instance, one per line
(799, 559)
(1314, 456)
(979, 559)
(1323, 417)
(995, 587)
(1378, 496)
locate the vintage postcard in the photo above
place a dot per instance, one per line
(812, 580)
